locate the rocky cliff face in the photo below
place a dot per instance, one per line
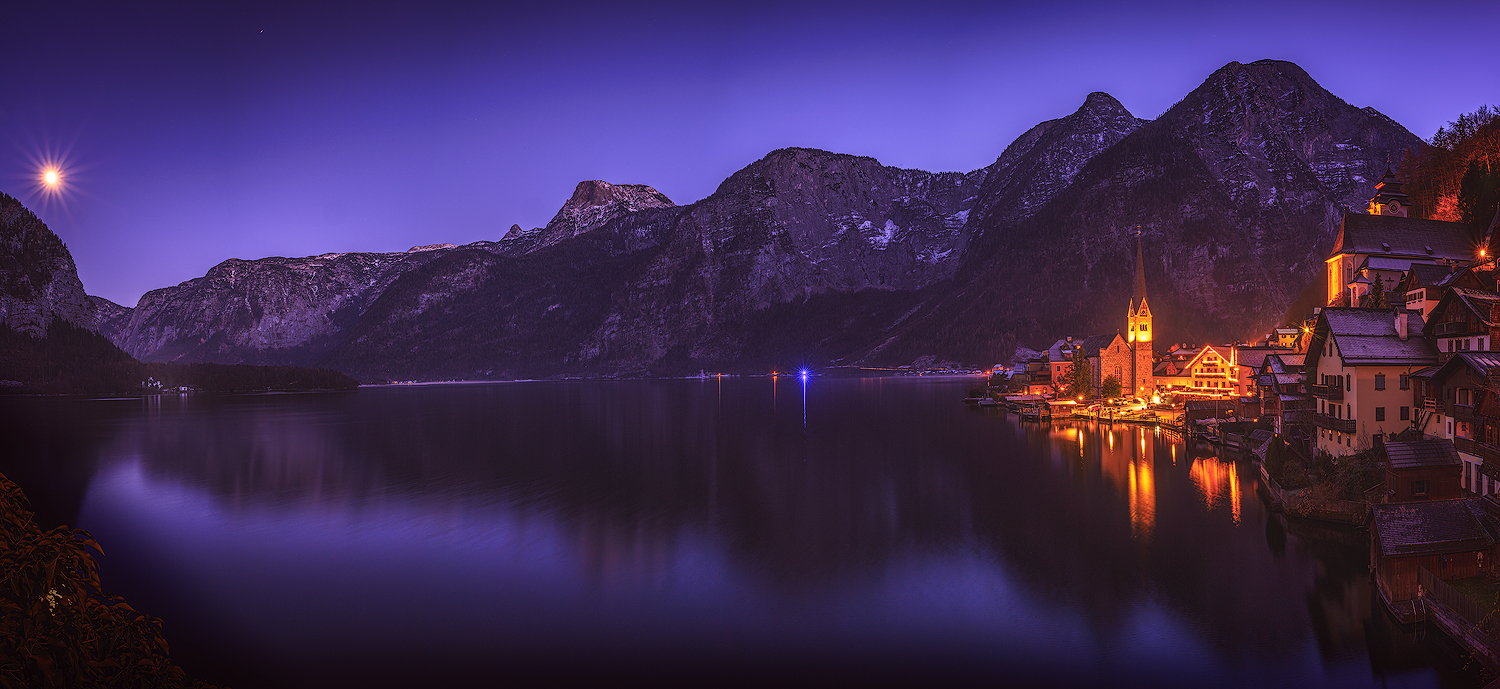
(38, 281)
(810, 256)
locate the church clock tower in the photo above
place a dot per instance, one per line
(1140, 332)
(1389, 199)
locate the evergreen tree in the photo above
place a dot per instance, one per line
(1111, 388)
(1076, 379)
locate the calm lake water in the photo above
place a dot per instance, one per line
(869, 528)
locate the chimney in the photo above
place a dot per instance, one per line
(1401, 323)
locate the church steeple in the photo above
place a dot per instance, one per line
(1389, 199)
(1139, 317)
(1139, 298)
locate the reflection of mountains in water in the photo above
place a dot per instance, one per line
(1096, 523)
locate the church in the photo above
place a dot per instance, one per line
(1384, 244)
(1127, 357)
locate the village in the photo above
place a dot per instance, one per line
(1379, 410)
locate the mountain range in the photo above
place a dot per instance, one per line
(806, 257)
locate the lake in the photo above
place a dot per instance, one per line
(699, 530)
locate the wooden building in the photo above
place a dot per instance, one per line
(1453, 539)
(1462, 321)
(1418, 470)
(1458, 401)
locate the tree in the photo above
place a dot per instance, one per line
(1376, 299)
(1111, 387)
(1075, 380)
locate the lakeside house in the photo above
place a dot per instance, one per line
(1417, 470)
(1362, 360)
(1459, 404)
(1452, 539)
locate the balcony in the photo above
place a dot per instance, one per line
(1489, 453)
(1332, 424)
(1328, 392)
(1460, 411)
(1455, 328)
(1431, 403)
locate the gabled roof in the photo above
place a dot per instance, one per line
(1418, 454)
(1478, 302)
(1286, 363)
(1392, 235)
(1427, 275)
(1478, 362)
(1368, 336)
(1431, 528)
(1255, 356)
(1091, 345)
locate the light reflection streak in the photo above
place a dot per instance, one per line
(1214, 479)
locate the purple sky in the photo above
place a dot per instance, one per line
(194, 135)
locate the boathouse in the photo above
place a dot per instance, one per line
(1422, 470)
(1453, 539)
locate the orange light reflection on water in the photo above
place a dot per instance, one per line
(1217, 480)
(1142, 501)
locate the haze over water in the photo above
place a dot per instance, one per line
(686, 529)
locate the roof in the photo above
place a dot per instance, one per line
(1388, 263)
(1429, 274)
(1479, 362)
(1418, 454)
(1260, 435)
(1285, 363)
(1431, 528)
(1478, 301)
(1254, 356)
(1090, 346)
(1393, 235)
(1287, 378)
(1368, 336)
(1208, 405)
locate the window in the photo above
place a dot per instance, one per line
(1419, 488)
(1380, 381)
(1143, 327)
(1406, 413)
(1405, 382)
(1481, 345)
(1380, 413)
(1338, 411)
(1347, 381)
(1450, 345)
(1463, 395)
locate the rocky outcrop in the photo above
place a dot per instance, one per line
(38, 281)
(268, 311)
(110, 319)
(807, 256)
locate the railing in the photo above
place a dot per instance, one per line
(1489, 453)
(1460, 411)
(1332, 424)
(1454, 328)
(1430, 403)
(1435, 589)
(1328, 392)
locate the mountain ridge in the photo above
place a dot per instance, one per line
(814, 256)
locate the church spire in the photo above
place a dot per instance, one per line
(1140, 275)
